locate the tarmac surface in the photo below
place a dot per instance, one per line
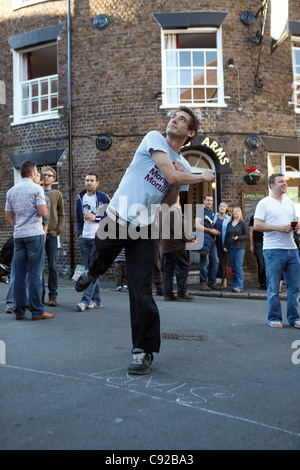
(223, 379)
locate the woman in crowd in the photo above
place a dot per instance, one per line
(220, 222)
(235, 244)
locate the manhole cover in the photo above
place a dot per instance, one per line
(183, 336)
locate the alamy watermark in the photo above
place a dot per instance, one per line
(2, 352)
(151, 222)
(296, 354)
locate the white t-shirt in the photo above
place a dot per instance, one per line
(89, 203)
(143, 185)
(274, 212)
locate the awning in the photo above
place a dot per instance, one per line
(43, 157)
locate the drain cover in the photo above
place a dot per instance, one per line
(183, 336)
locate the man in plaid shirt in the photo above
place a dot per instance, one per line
(24, 209)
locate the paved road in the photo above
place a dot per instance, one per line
(223, 379)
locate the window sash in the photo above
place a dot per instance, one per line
(191, 76)
(39, 96)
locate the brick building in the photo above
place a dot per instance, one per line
(81, 75)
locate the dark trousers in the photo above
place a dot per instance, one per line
(258, 251)
(175, 259)
(140, 259)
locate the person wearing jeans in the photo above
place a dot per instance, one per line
(235, 243)
(90, 209)
(273, 216)
(25, 206)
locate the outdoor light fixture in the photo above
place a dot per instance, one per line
(103, 142)
(230, 64)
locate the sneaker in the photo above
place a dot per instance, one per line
(119, 289)
(141, 362)
(214, 287)
(204, 287)
(9, 309)
(52, 302)
(83, 281)
(124, 289)
(186, 297)
(93, 304)
(238, 291)
(296, 324)
(81, 307)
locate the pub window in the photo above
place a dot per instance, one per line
(296, 73)
(192, 68)
(289, 166)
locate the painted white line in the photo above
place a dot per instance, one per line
(125, 381)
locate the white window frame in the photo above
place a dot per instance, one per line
(17, 81)
(220, 75)
(25, 3)
(287, 174)
(296, 83)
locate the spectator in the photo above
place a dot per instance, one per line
(209, 261)
(25, 207)
(55, 227)
(256, 247)
(220, 222)
(120, 272)
(235, 244)
(90, 209)
(273, 216)
(174, 254)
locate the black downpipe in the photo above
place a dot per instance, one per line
(70, 141)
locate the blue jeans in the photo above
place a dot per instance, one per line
(236, 261)
(51, 252)
(29, 257)
(10, 297)
(92, 293)
(278, 262)
(209, 273)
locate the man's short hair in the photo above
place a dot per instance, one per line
(194, 123)
(93, 174)
(49, 168)
(26, 168)
(207, 195)
(273, 177)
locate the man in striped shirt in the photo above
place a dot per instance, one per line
(24, 209)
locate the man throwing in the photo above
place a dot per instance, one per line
(273, 216)
(156, 174)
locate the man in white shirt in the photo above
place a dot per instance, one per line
(90, 209)
(273, 216)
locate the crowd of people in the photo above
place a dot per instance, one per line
(127, 227)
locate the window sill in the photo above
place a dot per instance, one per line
(17, 4)
(46, 117)
(197, 106)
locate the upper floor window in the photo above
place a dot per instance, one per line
(35, 84)
(296, 72)
(192, 68)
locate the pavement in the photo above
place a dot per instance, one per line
(224, 380)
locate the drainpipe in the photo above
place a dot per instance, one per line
(70, 141)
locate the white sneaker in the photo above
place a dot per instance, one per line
(81, 307)
(93, 304)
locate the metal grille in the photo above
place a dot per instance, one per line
(183, 336)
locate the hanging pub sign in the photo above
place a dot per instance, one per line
(279, 22)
